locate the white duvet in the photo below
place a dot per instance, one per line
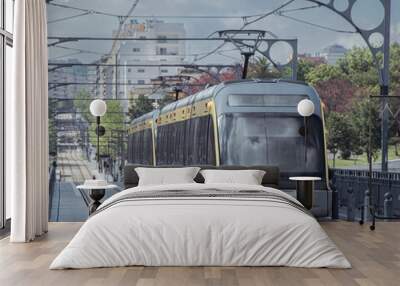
(206, 231)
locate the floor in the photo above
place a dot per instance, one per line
(375, 257)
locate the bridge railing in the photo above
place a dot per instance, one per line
(351, 187)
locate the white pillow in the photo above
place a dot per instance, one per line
(248, 177)
(166, 176)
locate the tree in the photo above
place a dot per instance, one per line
(340, 135)
(359, 68)
(395, 68)
(365, 113)
(82, 103)
(337, 94)
(113, 121)
(304, 67)
(199, 82)
(261, 68)
(142, 105)
(322, 73)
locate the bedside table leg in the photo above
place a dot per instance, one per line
(305, 193)
(96, 196)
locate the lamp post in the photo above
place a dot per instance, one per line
(305, 108)
(98, 108)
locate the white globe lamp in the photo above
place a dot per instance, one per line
(305, 108)
(98, 107)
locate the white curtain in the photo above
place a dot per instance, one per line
(26, 124)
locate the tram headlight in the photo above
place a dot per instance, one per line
(305, 108)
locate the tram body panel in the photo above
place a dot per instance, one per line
(239, 123)
(258, 124)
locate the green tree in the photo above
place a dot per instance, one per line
(304, 67)
(82, 103)
(359, 68)
(341, 135)
(395, 68)
(141, 106)
(261, 68)
(366, 120)
(322, 73)
(113, 122)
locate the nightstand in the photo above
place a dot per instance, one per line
(305, 189)
(96, 193)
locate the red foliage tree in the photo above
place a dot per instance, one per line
(337, 94)
(211, 79)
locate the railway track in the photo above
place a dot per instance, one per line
(73, 167)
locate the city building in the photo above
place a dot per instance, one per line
(63, 80)
(333, 53)
(142, 61)
(312, 58)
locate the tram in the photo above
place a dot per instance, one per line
(245, 122)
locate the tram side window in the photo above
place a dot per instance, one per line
(180, 143)
(163, 145)
(189, 142)
(134, 147)
(137, 148)
(200, 141)
(141, 151)
(148, 147)
(130, 148)
(210, 143)
(160, 145)
(171, 144)
(177, 143)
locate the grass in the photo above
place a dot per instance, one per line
(359, 160)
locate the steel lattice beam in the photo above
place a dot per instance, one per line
(382, 64)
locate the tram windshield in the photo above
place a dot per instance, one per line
(272, 139)
(270, 100)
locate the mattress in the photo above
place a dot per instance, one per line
(201, 225)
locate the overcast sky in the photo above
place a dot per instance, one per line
(311, 39)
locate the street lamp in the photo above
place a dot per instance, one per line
(98, 108)
(305, 108)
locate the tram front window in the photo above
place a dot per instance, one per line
(272, 140)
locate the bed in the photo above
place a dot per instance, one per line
(197, 224)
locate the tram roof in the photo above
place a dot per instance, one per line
(213, 90)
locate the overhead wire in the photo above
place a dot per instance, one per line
(91, 11)
(277, 11)
(66, 55)
(247, 23)
(301, 8)
(268, 14)
(244, 18)
(228, 56)
(128, 54)
(67, 18)
(317, 25)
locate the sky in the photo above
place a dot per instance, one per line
(311, 39)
